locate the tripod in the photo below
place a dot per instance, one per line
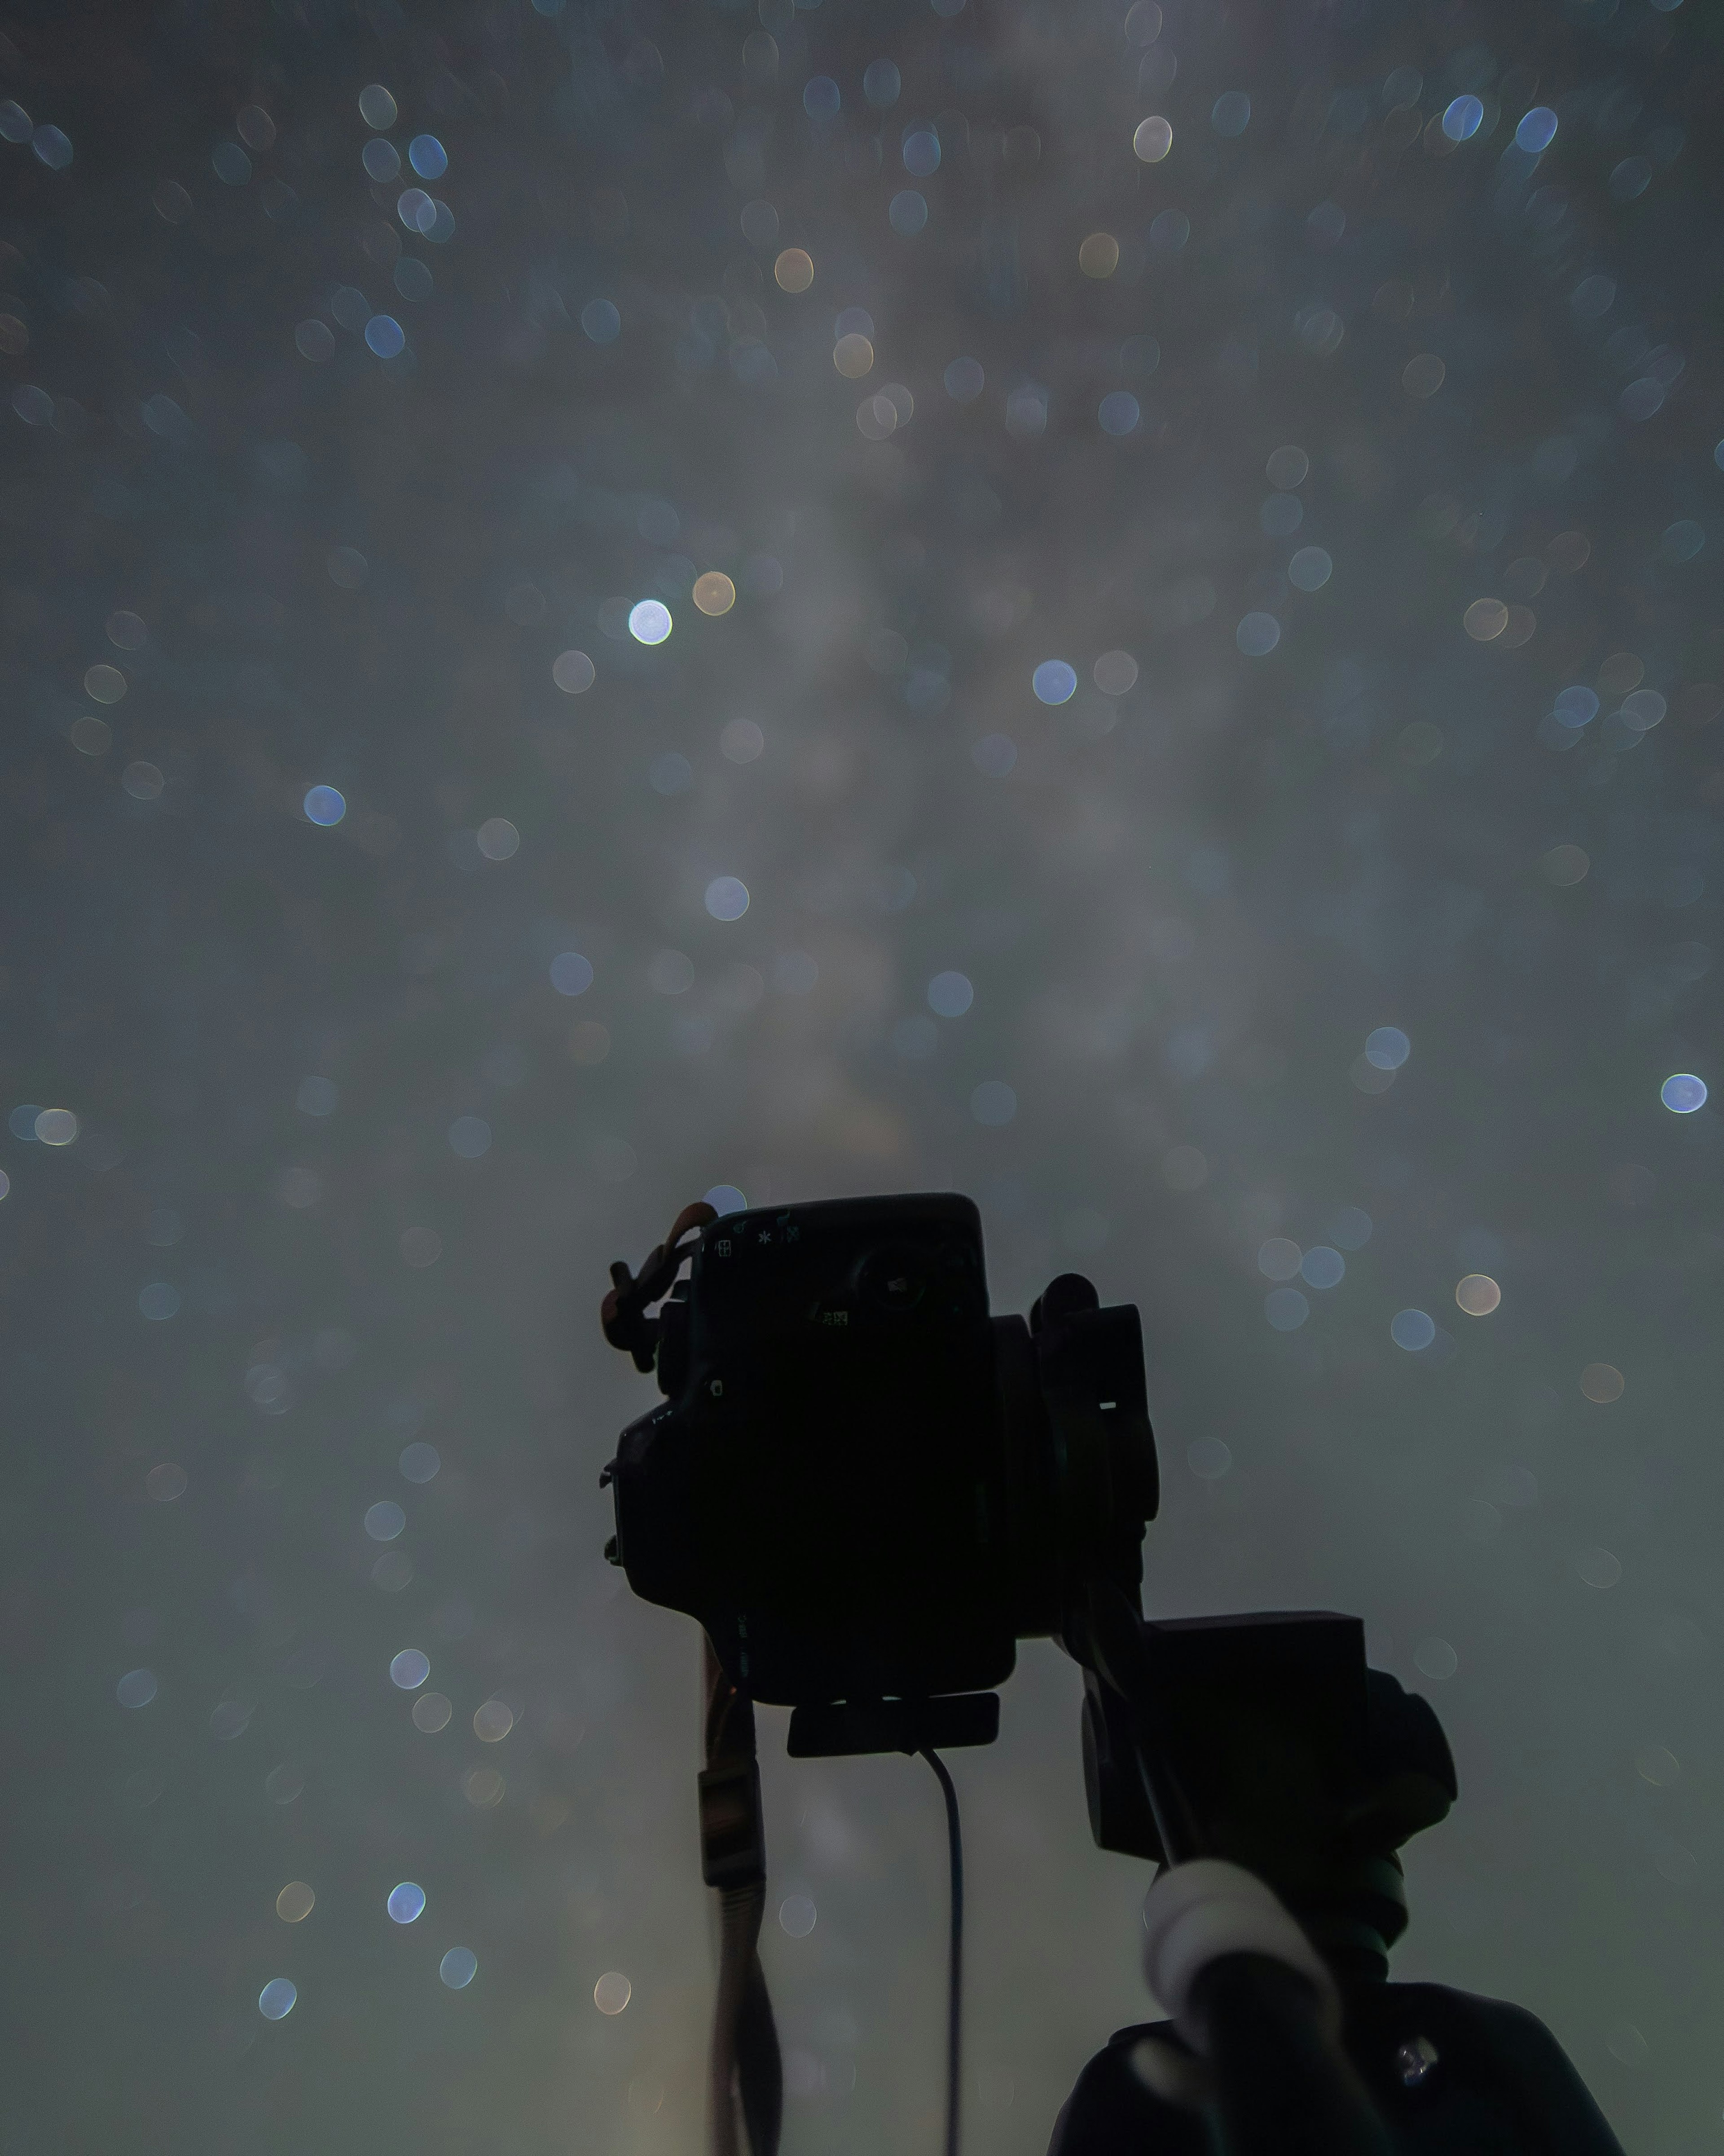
(1266, 1742)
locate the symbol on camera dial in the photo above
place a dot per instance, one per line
(894, 1280)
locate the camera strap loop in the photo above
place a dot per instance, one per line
(622, 1313)
(746, 2076)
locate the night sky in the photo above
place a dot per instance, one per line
(601, 603)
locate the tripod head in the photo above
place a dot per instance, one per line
(1297, 1762)
(1307, 1771)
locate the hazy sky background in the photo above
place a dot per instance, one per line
(1197, 724)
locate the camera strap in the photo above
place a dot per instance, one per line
(747, 2074)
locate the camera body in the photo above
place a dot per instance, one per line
(864, 1486)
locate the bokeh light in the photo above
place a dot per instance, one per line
(1153, 139)
(1576, 706)
(1462, 118)
(469, 1137)
(573, 673)
(1598, 1568)
(1099, 256)
(993, 1103)
(1311, 568)
(853, 355)
(406, 1903)
(1682, 1093)
(493, 1722)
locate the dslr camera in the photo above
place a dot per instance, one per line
(864, 1486)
